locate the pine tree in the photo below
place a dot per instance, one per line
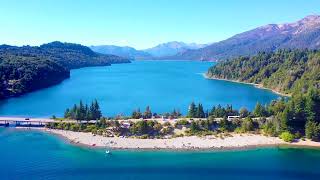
(312, 130)
(98, 113)
(212, 111)
(91, 111)
(244, 112)
(200, 112)
(81, 111)
(194, 127)
(87, 113)
(136, 114)
(147, 113)
(229, 110)
(259, 110)
(286, 116)
(78, 114)
(220, 112)
(67, 113)
(73, 112)
(174, 113)
(178, 113)
(299, 105)
(313, 105)
(192, 110)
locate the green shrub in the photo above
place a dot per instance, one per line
(287, 136)
(177, 135)
(238, 130)
(75, 127)
(167, 124)
(182, 122)
(297, 135)
(145, 136)
(247, 125)
(90, 128)
(94, 131)
(269, 129)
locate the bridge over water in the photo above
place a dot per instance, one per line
(24, 121)
(33, 122)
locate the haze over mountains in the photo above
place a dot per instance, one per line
(172, 48)
(302, 34)
(161, 50)
(125, 51)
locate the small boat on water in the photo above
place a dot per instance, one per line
(108, 152)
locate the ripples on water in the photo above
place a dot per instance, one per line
(29, 154)
(121, 88)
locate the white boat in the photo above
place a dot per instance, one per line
(107, 151)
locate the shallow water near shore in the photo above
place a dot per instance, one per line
(29, 154)
(121, 88)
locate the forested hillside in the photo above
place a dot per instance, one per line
(295, 72)
(22, 74)
(302, 34)
(286, 71)
(24, 69)
(77, 56)
(68, 55)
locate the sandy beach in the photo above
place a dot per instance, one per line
(235, 141)
(260, 86)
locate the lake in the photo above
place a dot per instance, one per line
(29, 154)
(121, 88)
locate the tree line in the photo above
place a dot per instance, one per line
(286, 71)
(84, 111)
(295, 72)
(293, 117)
(147, 114)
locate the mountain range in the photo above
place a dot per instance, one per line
(157, 52)
(302, 34)
(125, 51)
(172, 48)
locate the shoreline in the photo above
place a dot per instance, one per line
(260, 86)
(187, 143)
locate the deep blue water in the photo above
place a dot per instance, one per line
(27, 154)
(121, 88)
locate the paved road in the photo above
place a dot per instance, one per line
(24, 119)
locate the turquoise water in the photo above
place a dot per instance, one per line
(163, 85)
(27, 154)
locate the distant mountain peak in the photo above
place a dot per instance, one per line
(172, 48)
(311, 18)
(306, 23)
(304, 33)
(123, 51)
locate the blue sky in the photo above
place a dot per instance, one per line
(141, 23)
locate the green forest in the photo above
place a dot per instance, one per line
(25, 69)
(295, 72)
(286, 71)
(22, 74)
